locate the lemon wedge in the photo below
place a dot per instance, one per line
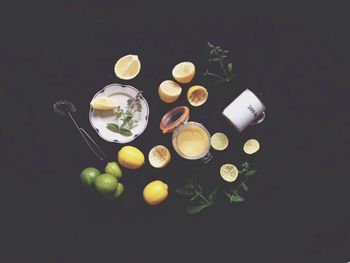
(169, 91)
(159, 156)
(127, 67)
(184, 72)
(197, 95)
(251, 146)
(219, 141)
(229, 172)
(103, 103)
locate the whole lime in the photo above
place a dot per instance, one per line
(106, 183)
(88, 175)
(113, 169)
(117, 192)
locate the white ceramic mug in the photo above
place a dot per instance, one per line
(245, 110)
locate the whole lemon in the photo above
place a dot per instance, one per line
(130, 157)
(155, 192)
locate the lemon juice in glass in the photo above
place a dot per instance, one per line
(191, 140)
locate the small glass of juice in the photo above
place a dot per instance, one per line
(191, 140)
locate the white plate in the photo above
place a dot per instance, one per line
(120, 94)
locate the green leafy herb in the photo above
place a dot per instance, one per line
(219, 55)
(199, 200)
(233, 192)
(126, 116)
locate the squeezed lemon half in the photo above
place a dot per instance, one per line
(169, 91)
(197, 95)
(184, 72)
(159, 156)
(229, 172)
(127, 67)
(251, 146)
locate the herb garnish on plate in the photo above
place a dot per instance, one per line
(126, 116)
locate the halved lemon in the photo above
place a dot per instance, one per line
(229, 172)
(197, 95)
(251, 146)
(159, 156)
(219, 141)
(184, 72)
(169, 91)
(127, 67)
(103, 103)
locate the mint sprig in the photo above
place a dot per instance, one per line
(233, 193)
(193, 190)
(126, 116)
(219, 55)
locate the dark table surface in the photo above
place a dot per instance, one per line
(295, 209)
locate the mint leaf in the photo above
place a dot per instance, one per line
(194, 209)
(212, 195)
(229, 67)
(125, 132)
(245, 165)
(210, 44)
(237, 198)
(245, 187)
(113, 127)
(251, 172)
(183, 191)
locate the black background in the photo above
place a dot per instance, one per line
(296, 209)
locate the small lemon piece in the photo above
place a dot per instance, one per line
(169, 91)
(219, 141)
(130, 157)
(155, 192)
(197, 95)
(159, 156)
(103, 103)
(184, 72)
(229, 172)
(251, 146)
(127, 67)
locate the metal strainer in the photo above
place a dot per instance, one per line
(65, 107)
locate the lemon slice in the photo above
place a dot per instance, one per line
(169, 91)
(159, 156)
(251, 146)
(197, 95)
(219, 141)
(127, 67)
(229, 172)
(184, 72)
(103, 103)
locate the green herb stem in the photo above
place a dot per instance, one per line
(215, 75)
(221, 63)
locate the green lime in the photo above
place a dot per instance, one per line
(88, 175)
(219, 141)
(106, 183)
(117, 192)
(251, 146)
(113, 169)
(229, 172)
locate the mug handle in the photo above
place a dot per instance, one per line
(259, 119)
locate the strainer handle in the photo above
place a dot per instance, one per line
(92, 144)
